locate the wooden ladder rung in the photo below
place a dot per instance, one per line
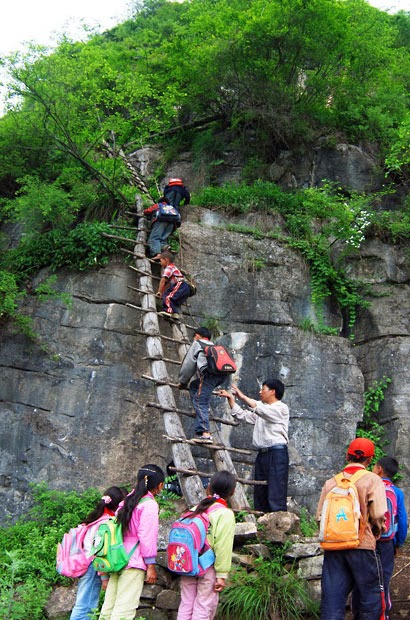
(144, 273)
(141, 308)
(159, 335)
(191, 472)
(190, 414)
(163, 359)
(150, 260)
(211, 446)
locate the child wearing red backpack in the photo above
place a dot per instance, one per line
(200, 595)
(89, 585)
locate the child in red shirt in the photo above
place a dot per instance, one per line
(173, 289)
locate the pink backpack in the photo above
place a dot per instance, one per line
(71, 559)
(391, 522)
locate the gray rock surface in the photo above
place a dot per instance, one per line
(74, 415)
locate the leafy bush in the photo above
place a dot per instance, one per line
(28, 550)
(270, 591)
(315, 219)
(81, 248)
(370, 426)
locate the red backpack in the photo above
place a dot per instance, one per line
(219, 359)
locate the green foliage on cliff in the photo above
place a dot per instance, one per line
(269, 75)
(316, 219)
(259, 77)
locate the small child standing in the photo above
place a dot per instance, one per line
(138, 515)
(387, 467)
(200, 595)
(89, 584)
(173, 289)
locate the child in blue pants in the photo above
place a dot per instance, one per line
(173, 289)
(89, 584)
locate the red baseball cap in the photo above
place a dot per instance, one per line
(361, 447)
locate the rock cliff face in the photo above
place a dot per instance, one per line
(74, 414)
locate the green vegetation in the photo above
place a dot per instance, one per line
(82, 247)
(370, 427)
(316, 219)
(264, 83)
(268, 591)
(28, 550)
(308, 523)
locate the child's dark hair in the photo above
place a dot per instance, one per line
(167, 255)
(204, 332)
(148, 478)
(278, 386)
(222, 484)
(389, 465)
(110, 499)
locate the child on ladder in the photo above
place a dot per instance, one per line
(200, 595)
(138, 515)
(173, 289)
(89, 584)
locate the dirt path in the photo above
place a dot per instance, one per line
(400, 585)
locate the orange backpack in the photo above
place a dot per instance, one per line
(341, 525)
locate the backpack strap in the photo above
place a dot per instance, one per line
(357, 475)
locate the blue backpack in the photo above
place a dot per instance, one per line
(188, 551)
(168, 213)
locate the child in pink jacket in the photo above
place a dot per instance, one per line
(200, 595)
(138, 515)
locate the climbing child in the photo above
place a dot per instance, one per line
(175, 192)
(89, 585)
(138, 515)
(201, 387)
(162, 226)
(199, 595)
(173, 289)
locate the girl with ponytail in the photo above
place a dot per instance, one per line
(200, 595)
(138, 515)
(89, 585)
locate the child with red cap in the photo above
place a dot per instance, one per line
(356, 568)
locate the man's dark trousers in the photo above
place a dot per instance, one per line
(344, 570)
(272, 465)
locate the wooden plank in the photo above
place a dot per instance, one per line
(210, 446)
(192, 415)
(118, 237)
(190, 472)
(144, 273)
(155, 335)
